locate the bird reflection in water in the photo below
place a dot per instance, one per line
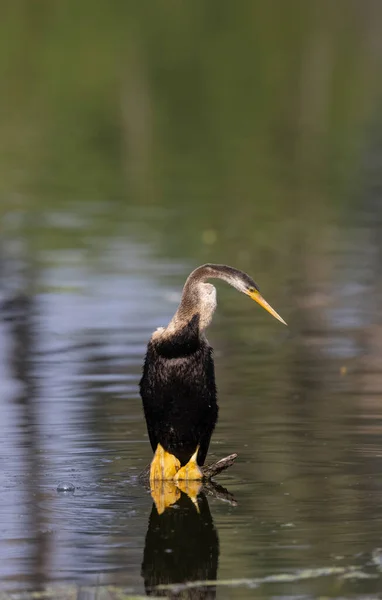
(167, 493)
(182, 545)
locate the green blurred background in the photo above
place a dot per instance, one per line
(244, 121)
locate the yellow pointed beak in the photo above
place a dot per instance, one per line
(260, 300)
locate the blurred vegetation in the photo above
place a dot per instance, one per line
(246, 120)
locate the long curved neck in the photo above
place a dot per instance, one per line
(230, 275)
(191, 303)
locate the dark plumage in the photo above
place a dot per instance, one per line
(178, 383)
(179, 393)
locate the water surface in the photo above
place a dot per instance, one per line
(300, 407)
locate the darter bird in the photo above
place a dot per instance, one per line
(178, 383)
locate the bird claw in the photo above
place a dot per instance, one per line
(190, 471)
(164, 465)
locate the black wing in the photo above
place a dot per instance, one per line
(179, 394)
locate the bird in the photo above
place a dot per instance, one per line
(178, 386)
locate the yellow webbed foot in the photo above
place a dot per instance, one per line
(164, 465)
(168, 479)
(190, 471)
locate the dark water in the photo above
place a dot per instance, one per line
(137, 145)
(299, 405)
